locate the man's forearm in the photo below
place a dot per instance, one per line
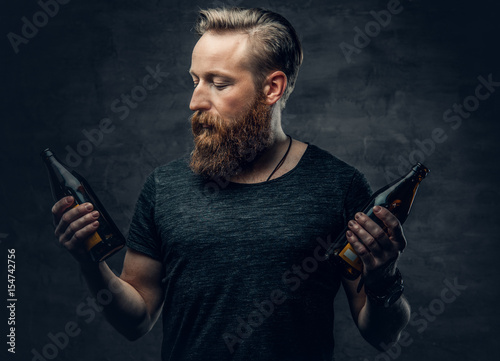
(382, 326)
(126, 311)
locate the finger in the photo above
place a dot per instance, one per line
(394, 229)
(81, 236)
(60, 207)
(361, 250)
(375, 230)
(365, 237)
(77, 225)
(70, 216)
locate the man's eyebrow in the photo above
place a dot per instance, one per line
(211, 75)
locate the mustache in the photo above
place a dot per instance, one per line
(199, 119)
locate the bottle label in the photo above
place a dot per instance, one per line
(92, 241)
(348, 255)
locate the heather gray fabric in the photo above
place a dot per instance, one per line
(244, 274)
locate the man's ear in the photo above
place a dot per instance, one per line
(274, 87)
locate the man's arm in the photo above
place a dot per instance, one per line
(136, 296)
(378, 325)
(379, 250)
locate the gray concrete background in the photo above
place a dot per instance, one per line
(378, 110)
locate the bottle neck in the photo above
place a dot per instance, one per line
(418, 170)
(53, 163)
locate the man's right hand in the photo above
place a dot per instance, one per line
(74, 225)
(138, 294)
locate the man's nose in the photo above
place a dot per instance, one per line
(200, 99)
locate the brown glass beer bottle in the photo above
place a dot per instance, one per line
(398, 198)
(107, 239)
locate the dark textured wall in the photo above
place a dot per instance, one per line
(393, 100)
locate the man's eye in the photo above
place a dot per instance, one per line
(220, 86)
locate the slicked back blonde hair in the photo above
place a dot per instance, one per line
(274, 44)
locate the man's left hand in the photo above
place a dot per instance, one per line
(378, 249)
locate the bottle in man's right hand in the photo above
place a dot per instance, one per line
(107, 239)
(398, 198)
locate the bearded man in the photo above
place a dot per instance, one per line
(229, 243)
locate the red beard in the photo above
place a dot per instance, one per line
(228, 146)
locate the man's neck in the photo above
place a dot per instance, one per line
(262, 168)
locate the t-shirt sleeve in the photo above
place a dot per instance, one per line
(357, 196)
(143, 236)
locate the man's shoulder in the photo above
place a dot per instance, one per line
(176, 170)
(334, 172)
(323, 159)
(180, 164)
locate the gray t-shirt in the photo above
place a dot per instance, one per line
(244, 272)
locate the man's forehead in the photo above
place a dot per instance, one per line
(220, 52)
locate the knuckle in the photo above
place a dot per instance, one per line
(69, 246)
(361, 251)
(81, 235)
(66, 218)
(369, 241)
(358, 248)
(395, 223)
(57, 231)
(379, 234)
(73, 228)
(78, 236)
(63, 241)
(63, 238)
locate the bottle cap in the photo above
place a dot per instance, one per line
(46, 153)
(420, 169)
